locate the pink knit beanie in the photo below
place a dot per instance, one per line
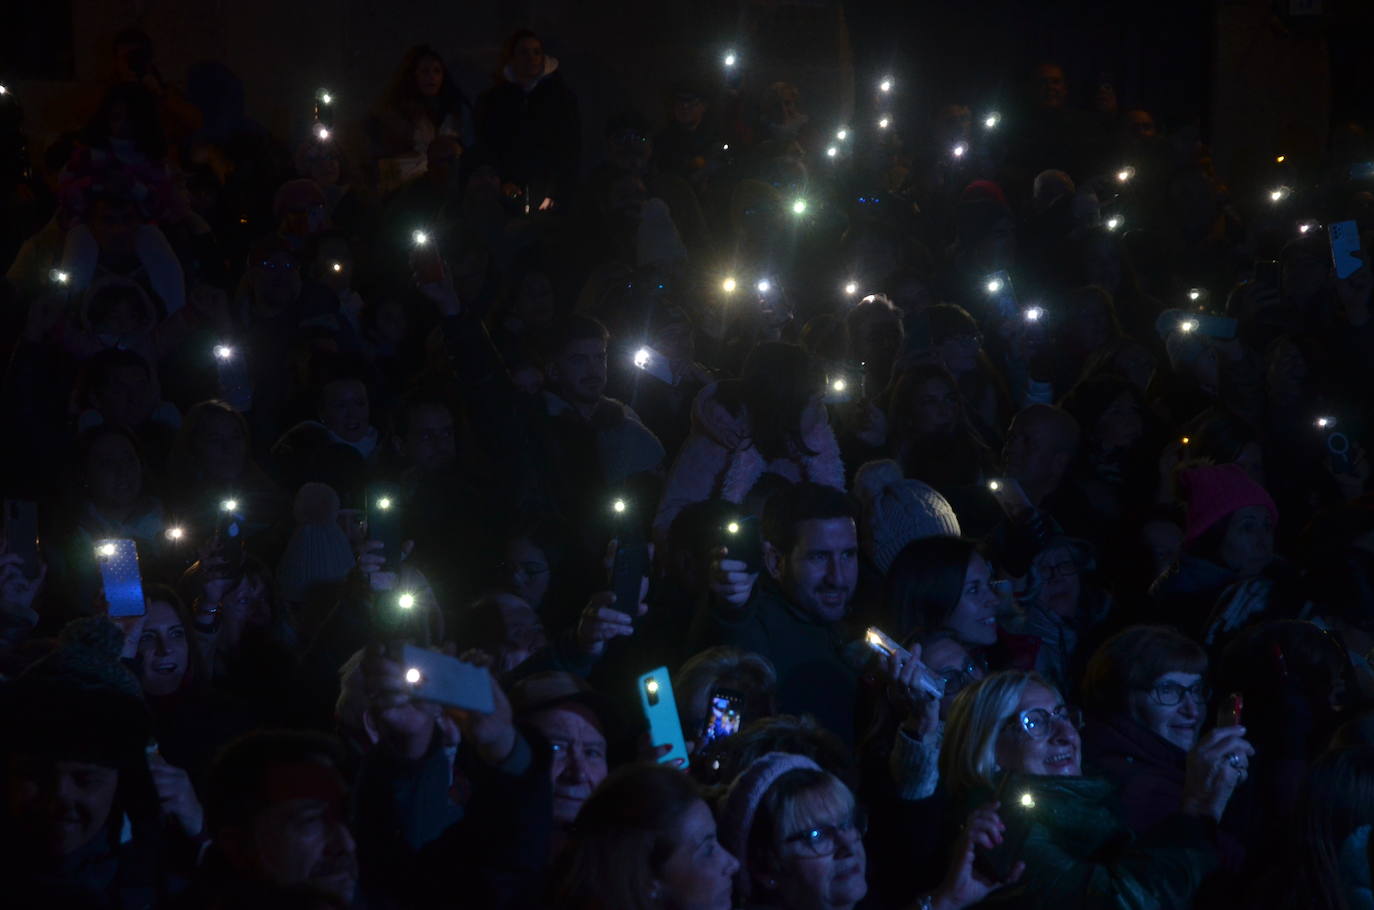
(1214, 492)
(741, 804)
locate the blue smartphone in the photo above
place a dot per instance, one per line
(660, 711)
(1345, 243)
(120, 576)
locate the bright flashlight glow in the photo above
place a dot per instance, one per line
(992, 120)
(322, 132)
(839, 385)
(885, 85)
(59, 277)
(994, 285)
(884, 123)
(764, 286)
(223, 351)
(994, 485)
(338, 266)
(1114, 222)
(733, 527)
(959, 150)
(642, 357)
(1324, 422)
(831, 152)
(1194, 294)
(799, 207)
(1125, 174)
(1034, 314)
(229, 505)
(1281, 159)
(851, 288)
(1306, 227)
(413, 676)
(420, 238)
(3, 90)
(106, 549)
(728, 285)
(730, 58)
(618, 506)
(651, 686)
(406, 601)
(842, 135)
(1188, 325)
(1278, 194)
(325, 97)
(175, 533)
(1028, 801)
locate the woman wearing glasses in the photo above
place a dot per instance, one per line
(1012, 732)
(798, 834)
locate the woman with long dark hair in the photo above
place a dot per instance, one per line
(932, 438)
(421, 103)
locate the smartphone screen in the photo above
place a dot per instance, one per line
(120, 576)
(724, 716)
(384, 524)
(660, 711)
(1345, 243)
(647, 360)
(21, 534)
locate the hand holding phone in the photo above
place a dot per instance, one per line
(656, 700)
(447, 681)
(743, 542)
(925, 680)
(1017, 810)
(631, 563)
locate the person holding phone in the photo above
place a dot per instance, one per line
(1075, 848)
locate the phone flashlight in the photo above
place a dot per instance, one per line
(1187, 326)
(651, 688)
(959, 150)
(1279, 193)
(1325, 422)
(384, 503)
(1125, 174)
(730, 58)
(229, 505)
(728, 285)
(994, 286)
(884, 123)
(842, 134)
(1307, 227)
(1114, 222)
(324, 97)
(991, 120)
(106, 550)
(799, 207)
(322, 132)
(413, 676)
(642, 358)
(1186, 440)
(878, 641)
(832, 152)
(1033, 313)
(420, 238)
(1280, 159)
(885, 85)
(839, 385)
(3, 90)
(1194, 294)
(764, 286)
(619, 507)
(994, 485)
(1027, 801)
(851, 288)
(336, 266)
(732, 527)
(223, 352)
(406, 601)
(57, 276)
(175, 533)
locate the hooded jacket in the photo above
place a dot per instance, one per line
(532, 133)
(719, 460)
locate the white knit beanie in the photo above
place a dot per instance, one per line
(894, 511)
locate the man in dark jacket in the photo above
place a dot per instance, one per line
(796, 616)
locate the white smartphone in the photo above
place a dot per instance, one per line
(884, 644)
(655, 364)
(447, 680)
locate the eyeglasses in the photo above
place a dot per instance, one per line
(956, 678)
(1037, 722)
(1169, 694)
(823, 840)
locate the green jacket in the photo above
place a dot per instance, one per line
(1079, 856)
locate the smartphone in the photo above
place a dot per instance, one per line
(397, 617)
(884, 644)
(631, 559)
(743, 542)
(844, 384)
(120, 576)
(660, 711)
(724, 717)
(429, 265)
(1345, 243)
(1231, 711)
(1017, 812)
(1001, 294)
(655, 364)
(21, 534)
(1010, 496)
(447, 680)
(384, 524)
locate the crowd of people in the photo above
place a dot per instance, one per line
(995, 488)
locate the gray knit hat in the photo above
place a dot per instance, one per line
(894, 511)
(318, 553)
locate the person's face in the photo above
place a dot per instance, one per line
(249, 605)
(114, 224)
(430, 443)
(1248, 546)
(960, 352)
(276, 279)
(322, 164)
(60, 805)
(1251, 459)
(630, 150)
(344, 409)
(162, 650)
(524, 633)
(1141, 126)
(1030, 453)
(699, 874)
(687, 112)
(1059, 752)
(821, 570)
(1179, 723)
(220, 447)
(305, 842)
(1062, 586)
(579, 372)
(1162, 540)
(127, 399)
(838, 880)
(1052, 90)
(935, 408)
(950, 661)
(579, 756)
(1121, 425)
(526, 570)
(974, 617)
(528, 62)
(533, 304)
(429, 77)
(114, 475)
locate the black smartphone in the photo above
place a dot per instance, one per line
(1018, 815)
(384, 524)
(743, 541)
(631, 557)
(724, 716)
(21, 534)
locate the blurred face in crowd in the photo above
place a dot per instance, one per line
(1060, 584)
(688, 111)
(344, 409)
(699, 873)
(1057, 752)
(528, 61)
(821, 862)
(114, 474)
(300, 838)
(524, 633)
(1034, 453)
(429, 76)
(1051, 88)
(220, 447)
(1248, 546)
(1162, 541)
(526, 571)
(950, 661)
(1141, 125)
(533, 304)
(276, 279)
(114, 224)
(935, 408)
(578, 373)
(127, 399)
(163, 652)
(1178, 723)
(430, 442)
(1136, 366)
(579, 756)
(821, 570)
(974, 617)
(59, 806)
(960, 352)
(322, 164)
(1121, 426)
